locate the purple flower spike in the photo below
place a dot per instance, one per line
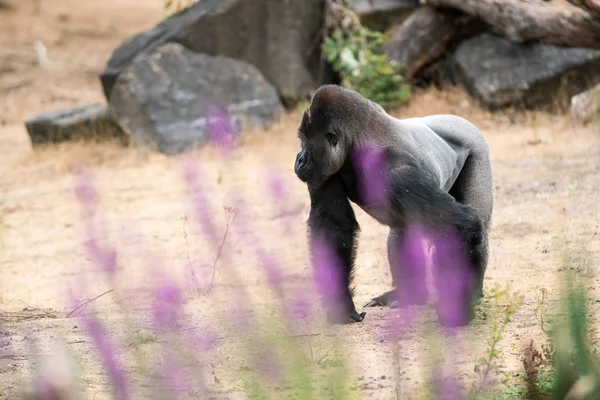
(326, 272)
(271, 268)
(174, 377)
(398, 323)
(372, 183)
(446, 388)
(276, 188)
(44, 389)
(167, 305)
(220, 127)
(85, 191)
(412, 267)
(106, 259)
(202, 338)
(108, 357)
(454, 279)
(200, 204)
(300, 309)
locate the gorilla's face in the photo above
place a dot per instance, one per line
(323, 149)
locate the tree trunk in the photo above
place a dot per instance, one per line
(558, 22)
(425, 36)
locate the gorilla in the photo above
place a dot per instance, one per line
(435, 171)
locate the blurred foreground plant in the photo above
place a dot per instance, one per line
(285, 352)
(576, 365)
(501, 315)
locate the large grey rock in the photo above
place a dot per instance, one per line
(585, 106)
(278, 37)
(379, 15)
(162, 99)
(502, 72)
(93, 122)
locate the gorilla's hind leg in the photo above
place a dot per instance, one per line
(406, 258)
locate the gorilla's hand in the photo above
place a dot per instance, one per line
(337, 317)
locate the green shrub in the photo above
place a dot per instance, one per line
(175, 6)
(353, 52)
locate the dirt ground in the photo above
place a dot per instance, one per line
(547, 205)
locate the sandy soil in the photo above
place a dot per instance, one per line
(546, 177)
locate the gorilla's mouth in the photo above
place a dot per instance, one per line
(302, 167)
(302, 174)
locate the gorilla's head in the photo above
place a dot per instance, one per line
(330, 128)
(325, 135)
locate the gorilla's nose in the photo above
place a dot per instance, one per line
(300, 168)
(300, 160)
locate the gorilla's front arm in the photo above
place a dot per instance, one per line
(332, 223)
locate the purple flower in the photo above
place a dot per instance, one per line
(271, 268)
(84, 189)
(446, 388)
(202, 338)
(300, 309)
(327, 272)
(371, 162)
(45, 389)
(412, 267)
(167, 305)
(411, 263)
(106, 259)
(399, 322)
(200, 203)
(276, 187)
(220, 127)
(454, 279)
(108, 357)
(87, 195)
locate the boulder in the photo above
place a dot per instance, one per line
(163, 98)
(280, 38)
(93, 122)
(379, 15)
(585, 106)
(501, 72)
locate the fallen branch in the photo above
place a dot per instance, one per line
(557, 23)
(426, 35)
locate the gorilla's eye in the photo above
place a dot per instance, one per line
(331, 138)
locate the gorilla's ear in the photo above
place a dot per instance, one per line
(305, 121)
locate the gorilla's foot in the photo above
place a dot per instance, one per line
(393, 300)
(356, 317)
(380, 301)
(336, 318)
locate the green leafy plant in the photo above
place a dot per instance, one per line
(353, 52)
(175, 6)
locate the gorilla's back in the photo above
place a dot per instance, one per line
(464, 144)
(443, 154)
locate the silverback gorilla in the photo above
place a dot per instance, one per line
(435, 171)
